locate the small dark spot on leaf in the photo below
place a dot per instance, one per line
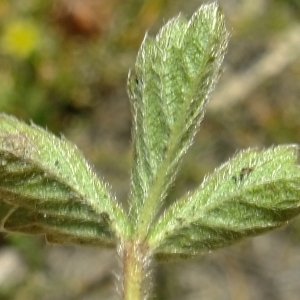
(245, 172)
(138, 81)
(166, 148)
(212, 59)
(180, 220)
(105, 217)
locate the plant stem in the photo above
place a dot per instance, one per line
(136, 262)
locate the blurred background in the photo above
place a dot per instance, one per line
(64, 65)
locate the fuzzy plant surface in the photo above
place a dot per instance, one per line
(48, 188)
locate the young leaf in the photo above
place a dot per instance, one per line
(169, 87)
(46, 187)
(254, 192)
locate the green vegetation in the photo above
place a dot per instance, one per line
(48, 188)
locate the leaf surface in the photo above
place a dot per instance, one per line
(254, 192)
(169, 88)
(47, 187)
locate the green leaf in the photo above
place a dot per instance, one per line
(254, 192)
(46, 187)
(169, 88)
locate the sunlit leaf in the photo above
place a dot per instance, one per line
(46, 187)
(254, 192)
(168, 88)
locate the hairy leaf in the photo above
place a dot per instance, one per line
(168, 88)
(254, 192)
(46, 187)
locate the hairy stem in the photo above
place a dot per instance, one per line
(136, 262)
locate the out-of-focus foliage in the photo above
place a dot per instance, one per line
(54, 57)
(64, 56)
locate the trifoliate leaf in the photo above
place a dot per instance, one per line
(254, 192)
(46, 187)
(168, 88)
